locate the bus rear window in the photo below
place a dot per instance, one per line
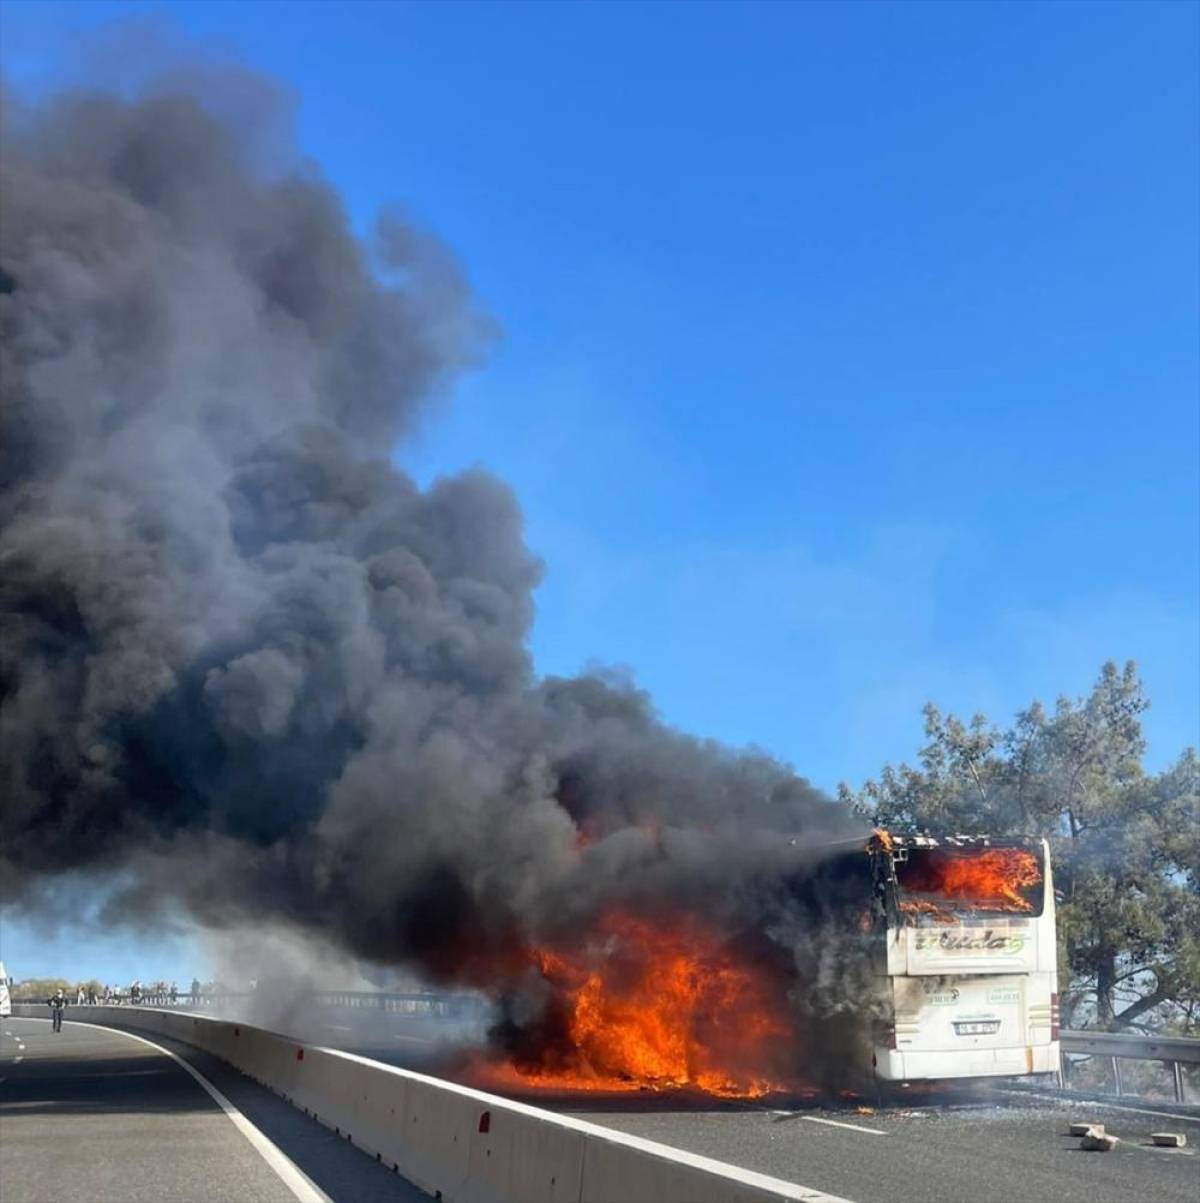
(946, 883)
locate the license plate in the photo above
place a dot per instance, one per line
(985, 1028)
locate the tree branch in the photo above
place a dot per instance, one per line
(1148, 1003)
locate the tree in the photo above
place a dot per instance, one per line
(1125, 843)
(38, 989)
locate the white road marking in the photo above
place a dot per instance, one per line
(837, 1123)
(337, 1027)
(1055, 1098)
(413, 1039)
(18, 1060)
(292, 1176)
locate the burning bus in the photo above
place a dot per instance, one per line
(895, 958)
(968, 956)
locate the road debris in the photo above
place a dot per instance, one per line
(1098, 1142)
(1169, 1140)
(1087, 1126)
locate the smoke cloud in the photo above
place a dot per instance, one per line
(244, 660)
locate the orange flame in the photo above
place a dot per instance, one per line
(661, 1007)
(989, 879)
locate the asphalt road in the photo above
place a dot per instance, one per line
(95, 1115)
(994, 1148)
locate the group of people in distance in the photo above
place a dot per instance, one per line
(92, 994)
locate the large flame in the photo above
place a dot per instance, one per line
(659, 1006)
(989, 879)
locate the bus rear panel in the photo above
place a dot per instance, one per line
(971, 957)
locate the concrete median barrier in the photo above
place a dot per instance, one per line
(457, 1144)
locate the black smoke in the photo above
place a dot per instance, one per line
(248, 665)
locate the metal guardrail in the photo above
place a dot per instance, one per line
(1127, 1044)
(444, 1006)
(1174, 1051)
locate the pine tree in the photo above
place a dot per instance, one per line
(1125, 843)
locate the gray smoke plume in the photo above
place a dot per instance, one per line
(243, 659)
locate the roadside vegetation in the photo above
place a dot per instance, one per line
(38, 989)
(1125, 842)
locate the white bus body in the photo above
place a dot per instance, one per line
(973, 988)
(5, 996)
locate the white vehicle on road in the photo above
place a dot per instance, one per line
(971, 956)
(5, 996)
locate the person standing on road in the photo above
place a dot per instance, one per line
(57, 1002)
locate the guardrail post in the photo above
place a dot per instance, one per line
(1116, 1068)
(1177, 1074)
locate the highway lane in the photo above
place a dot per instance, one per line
(98, 1115)
(998, 1148)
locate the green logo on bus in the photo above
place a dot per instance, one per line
(988, 941)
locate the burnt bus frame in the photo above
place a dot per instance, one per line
(884, 860)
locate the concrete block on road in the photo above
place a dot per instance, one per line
(1169, 1140)
(1098, 1142)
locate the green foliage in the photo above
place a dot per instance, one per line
(38, 989)
(1125, 843)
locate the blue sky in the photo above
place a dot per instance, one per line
(849, 352)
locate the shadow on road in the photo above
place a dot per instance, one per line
(82, 1083)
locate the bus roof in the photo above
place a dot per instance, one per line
(924, 840)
